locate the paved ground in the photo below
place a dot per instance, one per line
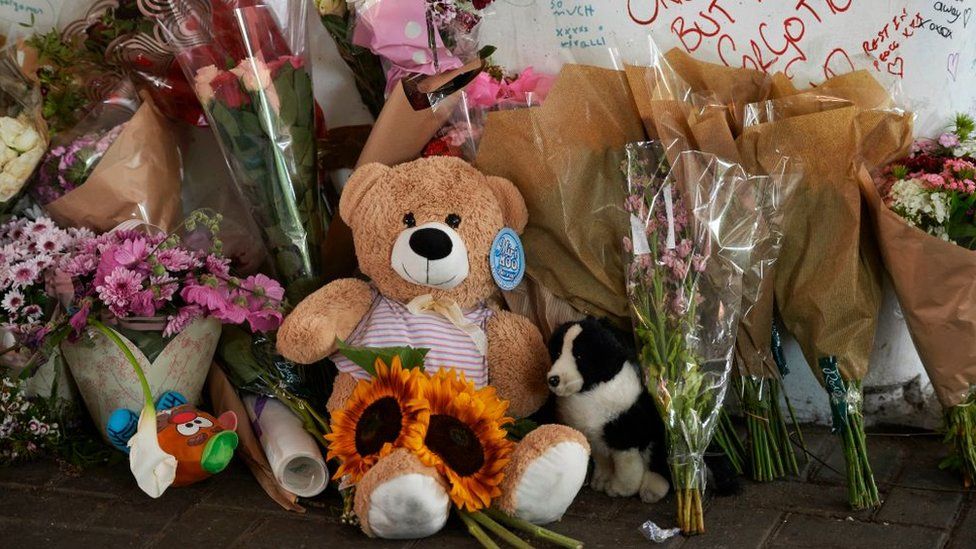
(40, 506)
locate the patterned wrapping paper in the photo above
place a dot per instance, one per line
(107, 381)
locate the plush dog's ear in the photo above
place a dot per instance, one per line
(511, 201)
(361, 181)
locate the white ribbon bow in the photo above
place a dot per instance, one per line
(449, 309)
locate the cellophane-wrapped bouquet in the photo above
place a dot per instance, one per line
(692, 231)
(256, 90)
(923, 208)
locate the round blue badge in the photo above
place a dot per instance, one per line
(507, 259)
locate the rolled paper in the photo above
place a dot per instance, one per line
(293, 454)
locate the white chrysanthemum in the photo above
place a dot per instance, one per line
(965, 148)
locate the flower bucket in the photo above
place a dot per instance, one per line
(107, 381)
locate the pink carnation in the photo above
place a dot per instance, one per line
(119, 289)
(183, 317)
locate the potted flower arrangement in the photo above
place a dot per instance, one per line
(145, 314)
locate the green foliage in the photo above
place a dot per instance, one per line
(365, 357)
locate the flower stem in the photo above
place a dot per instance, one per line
(499, 530)
(114, 338)
(477, 532)
(960, 434)
(534, 529)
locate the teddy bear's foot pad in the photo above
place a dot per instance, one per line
(546, 471)
(401, 498)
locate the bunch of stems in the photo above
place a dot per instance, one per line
(862, 491)
(495, 521)
(729, 441)
(960, 435)
(771, 454)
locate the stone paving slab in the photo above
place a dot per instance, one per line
(924, 507)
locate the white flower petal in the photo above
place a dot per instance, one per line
(154, 469)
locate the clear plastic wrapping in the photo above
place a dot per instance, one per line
(693, 230)
(23, 131)
(252, 78)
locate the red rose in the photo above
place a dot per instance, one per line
(293, 60)
(440, 147)
(481, 4)
(227, 89)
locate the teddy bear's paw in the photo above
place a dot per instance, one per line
(546, 471)
(401, 498)
(601, 476)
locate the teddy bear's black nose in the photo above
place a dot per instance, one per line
(431, 244)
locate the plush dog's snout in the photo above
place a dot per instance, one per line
(554, 381)
(431, 244)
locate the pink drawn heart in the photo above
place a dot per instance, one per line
(952, 65)
(897, 67)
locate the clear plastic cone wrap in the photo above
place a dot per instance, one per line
(693, 229)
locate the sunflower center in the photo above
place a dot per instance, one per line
(456, 443)
(379, 423)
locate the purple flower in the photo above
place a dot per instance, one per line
(142, 304)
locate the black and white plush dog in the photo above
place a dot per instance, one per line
(600, 392)
(601, 395)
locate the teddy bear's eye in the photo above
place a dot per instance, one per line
(453, 221)
(409, 220)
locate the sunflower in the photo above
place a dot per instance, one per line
(464, 438)
(386, 412)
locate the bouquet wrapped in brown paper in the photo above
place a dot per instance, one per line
(922, 207)
(697, 105)
(828, 286)
(565, 156)
(120, 163)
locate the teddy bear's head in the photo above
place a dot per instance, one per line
(427, 226)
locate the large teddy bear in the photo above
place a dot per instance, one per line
(423, 232)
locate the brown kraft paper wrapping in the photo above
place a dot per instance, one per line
(139, 177)
(941, 317)
(224, 398)
(565, 158)
(828, 285)
(399, 134)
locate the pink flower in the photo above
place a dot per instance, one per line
(177, 259)
(33, 312)
(24, 274)
(264, 320)
(684, 248)
(483, 91)
(233, 311)
(263, 286)
(932, 180)
(79, 320)
(183, 317)
(131, 251)
(699, 263)
(948, 140)
(205, 295)
(13, 301)
(142, 304)
(218, 266)
(80, 265)
(119, 289)
(529, 88)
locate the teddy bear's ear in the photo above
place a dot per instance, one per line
(511, 201)
(361, 181)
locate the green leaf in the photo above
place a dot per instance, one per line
(237, 356)
(520, 428)
(365, 357)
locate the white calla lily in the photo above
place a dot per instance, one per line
(154, 469)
